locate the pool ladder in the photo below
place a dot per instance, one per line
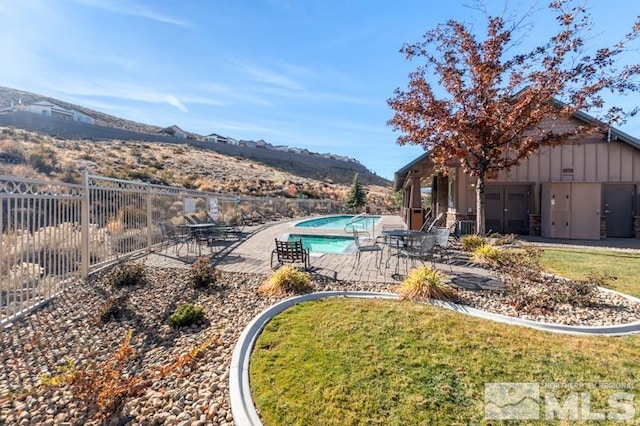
(359, 227)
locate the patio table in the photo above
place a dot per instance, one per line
(394, 240)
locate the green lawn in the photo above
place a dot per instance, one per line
(578, 263)
(380, 362)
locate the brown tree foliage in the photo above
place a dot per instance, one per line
(500, 108)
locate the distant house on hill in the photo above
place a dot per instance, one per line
(248, 144)
(214, 137)
(174, 131)
(52, 110)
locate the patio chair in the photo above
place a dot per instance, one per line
(172, 237)
(366, 244)
(290, 252)
(266, 215)
(251, 220)
(419, 247)
(389, 241)
(428, 226)
(226, 230)
(442, 242)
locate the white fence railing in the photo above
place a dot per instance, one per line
(54, 232)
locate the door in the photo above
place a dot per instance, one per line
(585, 210)
(507, 209)
(516, 210)
(493, 209)
(618, 210)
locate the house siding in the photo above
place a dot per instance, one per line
(589, 160)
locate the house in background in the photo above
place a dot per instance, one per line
(213, 137)
(174, 131)
(52, 110)
(580, 189)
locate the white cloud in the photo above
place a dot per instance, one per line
(176, 103)
(269, 77)
(132, 8)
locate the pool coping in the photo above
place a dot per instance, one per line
(348, 251)
(242, 406)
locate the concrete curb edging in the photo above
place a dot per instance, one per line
(242, 407)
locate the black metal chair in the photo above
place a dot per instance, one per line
(290, 252)
(172, 237)
(419, 247)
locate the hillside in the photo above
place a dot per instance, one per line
(108, 127)
(33, 155)
(8, 95)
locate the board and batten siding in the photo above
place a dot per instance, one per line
(590, 160)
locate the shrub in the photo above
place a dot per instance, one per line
(286, 280)
(425, 283)
(505, 240)
(202, 274)
(522, 262)
(471, 242)
(103, 387)
(487, 254)
(185, 315)
(542, 293)
(533, 291)
(128, 275)
(112, 308)
(44, 160)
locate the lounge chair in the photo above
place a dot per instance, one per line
(251, 220)
(290, 252)
(225, 229)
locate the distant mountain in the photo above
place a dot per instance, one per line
(109, 127)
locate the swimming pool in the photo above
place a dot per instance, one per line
(333, 244)
(339, 222)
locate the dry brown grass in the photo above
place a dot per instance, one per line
(165, 164)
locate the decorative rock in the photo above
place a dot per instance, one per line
(66, 329)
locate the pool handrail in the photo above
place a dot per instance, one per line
(350, 226)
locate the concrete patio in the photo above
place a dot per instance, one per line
(252, 254)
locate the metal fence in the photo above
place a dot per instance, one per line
(52, 232)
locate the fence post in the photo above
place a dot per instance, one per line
(84, 226)
(149, 220)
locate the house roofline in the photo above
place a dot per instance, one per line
(616, 134)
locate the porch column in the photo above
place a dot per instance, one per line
(441, 196)
(416, 197)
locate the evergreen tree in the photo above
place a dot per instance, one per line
(357, 195)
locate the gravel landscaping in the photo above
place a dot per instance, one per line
(68, 332)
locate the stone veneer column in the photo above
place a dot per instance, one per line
(636, 227)
(603, 227)
(535, 225)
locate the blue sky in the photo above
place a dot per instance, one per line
(314, 74)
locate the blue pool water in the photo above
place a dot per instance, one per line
(339, 222)
(324, 243)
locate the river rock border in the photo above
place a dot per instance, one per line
(242, 407)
